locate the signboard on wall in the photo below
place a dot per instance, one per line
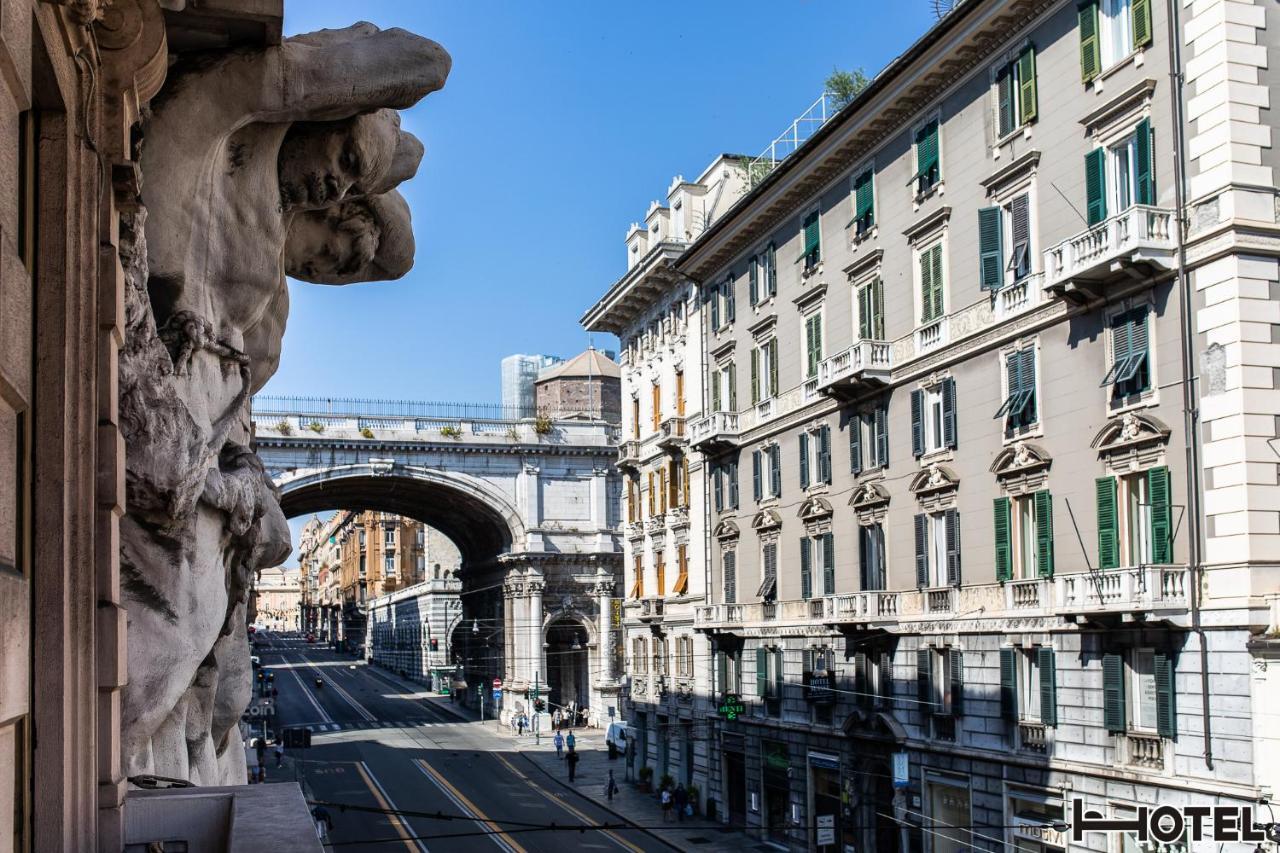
(901, 778)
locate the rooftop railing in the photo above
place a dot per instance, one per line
(786, 143)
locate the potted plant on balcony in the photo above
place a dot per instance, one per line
(646, 778)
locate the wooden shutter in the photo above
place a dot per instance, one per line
(926, 287)
(804, 460)
(1020, 214)
(824, 454)
(1138, 344)
(732, 473)
(684, 480)
(864, 558)
(924, 678)
(1095, 185)
(733, 386)
(1004, 551)
(990, 248)
(1090, 43)
(864, 201)
(935, 255)
(657, 405)
(1009, 683)
(1141, 13)
(755, 376)
(1144, 168)
(855, 443)
(722, 673)
(714, 298)
(1004, 100)
(653, 497)
(1108, 528)
(806, 567)
(775, 470)
(881, 417)
(771, 270)
(828, 564)
(952, 520)
(927, 155)
(1161, 516)
(877, 309)
(773, 367)
(715, 390)
(1027, 84)
(757, 490)
(1113, 710)
(660, 570)
(753, 279)
(922, 552)
(949, 412)
(779, 673)
(1027, 356)
(917, 423)
(956, 665)
(729, 308)
(811, 237)
(1048, 686)
(1044, 533)
(1166, 710)
(717, 489)
(730, 577)
(864, 313)
(762, 672)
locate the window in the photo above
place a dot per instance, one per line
(928, 168)
(722, 304)
(729, 560)
(931, 284)
(633, 499)
(872, 430)
(1130, 373)
(684, 657)
(681, 586)
(1138, 692)
(873, 570)
(1019, 407)
(768, 570)
(1028, 685)
(637, 586)
(933, 418)
(766, 473)
(389, 537)
(817, 554)
(639, 655)
(764, 370)
(362, 565)
(724, 486)
(815, 457)
(657, 405)
(1134, 519)
(660, 572)
(873, 678)
(1110, 30)
(362, 534)
(871, 310)
(635, 417)
(864, 203)
(769, 678)
(1024, 536)
(940, 680)
(1001, 226)
(724, 387)
(1016, 92)
(389, 565)
(677, 221)
(812, 343)
(728, 673)
(811, 231)
(762, 275)
(937, 540)
(1120, 175)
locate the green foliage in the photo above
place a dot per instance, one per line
(542, 424)
(451, 431)
(366, 432)
(316, 427)
(846, 85)
(284, 428)
(646, 773)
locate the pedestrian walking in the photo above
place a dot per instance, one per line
(571, 741)
(261, 747)
(558, 740)
(666, 804)
(324, 822)
(610, 787)
(279, 750)
(681, 798)
(572, 761)
(520, 725)
(555, 719)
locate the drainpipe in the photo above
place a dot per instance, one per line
(1190, 405)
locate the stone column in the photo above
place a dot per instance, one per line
(510, 591)
(604, 596)
(537, 664)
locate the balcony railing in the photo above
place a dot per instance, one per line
(1033, 594)
(629, 454)
(651, 609)
(931, 335)
(1122, 590)
(671, 432)
(717, 428)
(1020, 296)
(865, 363)
(1140, 234)
(810, 389)
(940, 600)
(1146, 751)
(1032, 737)
(866, 607)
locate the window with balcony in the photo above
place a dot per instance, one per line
(928, 160)
(768, 590)
(869, 439)
(815, 457)
(812, 343)
(1130, 373)
(1120, 175)
(817, 558)
(729, 566)
(1004, 243)
(1016, 92)
(766, 473)
(933, 418)
(871, 310)
(770, 675)
(932, 288)
(724, 387)
(940, 686)
(873, 677)
(728, 671)
(1024, 536)
(1019, 410)
(873, 569)
(1135, 519)
(811, 232)
(864, 203)
(1028, 689)
(937, 540)
(764, 370)
(1111, 30)
(1138, 692)
(721, 299)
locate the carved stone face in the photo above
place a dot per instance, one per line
(332, 243)
(321, 163)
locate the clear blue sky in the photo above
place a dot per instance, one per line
(560, 122)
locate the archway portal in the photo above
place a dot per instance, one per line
(568, 665)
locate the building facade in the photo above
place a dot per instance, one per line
(654, 313)
(276, 601)
(586, 386)
(987, 428)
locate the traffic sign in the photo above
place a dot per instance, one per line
(826, 829)
(497, 684)
(497, 695)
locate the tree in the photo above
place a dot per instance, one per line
(846, 85)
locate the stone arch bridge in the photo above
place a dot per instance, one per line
(532, 505)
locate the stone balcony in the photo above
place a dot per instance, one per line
(717, 430)
(864, 365)
(629, 454)
(1141, 237)
(672, 434)
(651, 609)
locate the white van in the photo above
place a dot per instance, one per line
(618, 734)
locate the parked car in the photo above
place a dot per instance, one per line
(617, 735)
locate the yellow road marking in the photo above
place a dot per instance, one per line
(462, 798)
(582, 817)
(401, 830)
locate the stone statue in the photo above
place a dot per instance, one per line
(255, 164)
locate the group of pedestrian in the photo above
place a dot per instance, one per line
(570, 716)
(519, 722)
(560, 742)
(259, 773)
(676, 799)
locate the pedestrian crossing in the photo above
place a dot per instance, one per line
(371, 724)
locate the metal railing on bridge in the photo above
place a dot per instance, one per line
(358, 407)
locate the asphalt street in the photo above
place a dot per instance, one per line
(413, 776)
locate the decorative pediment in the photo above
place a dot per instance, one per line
(1020, 458)
(814, 508)
(726, 530)
(878, 724)
(868, 495)
(766, 519)
(1130, 430)
(935, 478)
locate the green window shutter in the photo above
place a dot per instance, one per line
(881, 419)
(1090, 45)
(824, 454)
(828, 564)
(1048, 686)
(1004, 553)
(1141, 12)
(773, 367)
(1145, 183)
(730, 577)
(804, 460)
(855, 444)
(1108, 528)
(864, 202)
(1166, 710)
(762, 672)
(949, 436)
(927, 155)
(951, 519)
(715, 391)
(990, 248)
(1004, 100)
(1138, 346)
(733, 387)
(936, 277)
(778, 673)
(722, 673)
(1027, 84)
(917, 423)
(1161, 516)
(1095, 185)
(717, 483)
(806, 567)
(753, 278)
(817, 342)
(729, 295)
(1028, 357)
(1113, 712)
(1044, 533)
(956, 661)
(864, 313)
(926, 288)
(922, 552)
(757, 482)
(775, 470)
(811, 237)
(755, 376)
(771, 270)
(924, 673)
(877, 309)
(1009, 683)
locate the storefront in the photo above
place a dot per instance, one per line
(1029, 813)
(776, 788)
(947, 823)
(734, 767)
(826, 803)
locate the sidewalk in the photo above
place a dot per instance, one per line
(630, 803)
